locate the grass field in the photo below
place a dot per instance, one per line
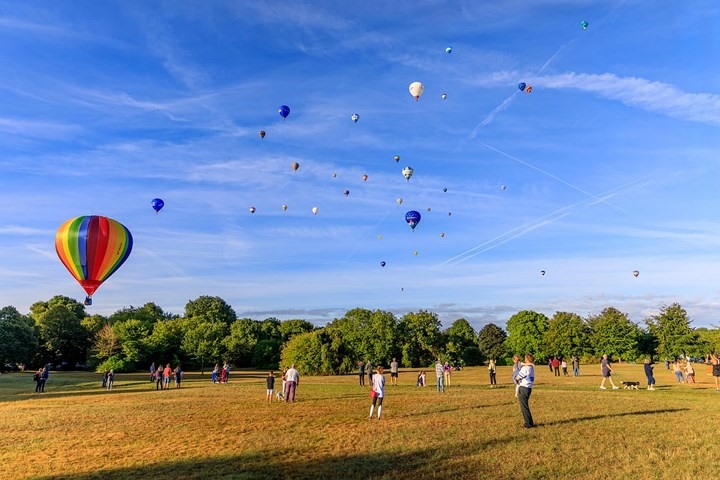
(78, 431)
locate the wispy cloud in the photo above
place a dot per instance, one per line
(39, 128)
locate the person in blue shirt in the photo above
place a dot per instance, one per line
(649, 374)
(525, 380)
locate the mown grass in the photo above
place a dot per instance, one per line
(78, 431)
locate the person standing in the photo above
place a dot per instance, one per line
(678, 371)
(361, 371)
(159, 377)
(447, 370)
(689, 372)
(292, 378)
(270, 384)
(715, 362)
(563, 365)
(110, 379)
(649, 374)
(178, 376)
(440, 374)
(606, 370)
(214, 374)
(525, 380)
(369, 370)
(492, 370)
(105, 379)
(44, 375)
(36, 378)
(167, 373)
(378, 389)
(556, 366)
(576, 366)
(394, 369)
(152, 372)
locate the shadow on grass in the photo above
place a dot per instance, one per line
(415, 464)
(611, 415)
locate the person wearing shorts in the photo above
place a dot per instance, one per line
(270, 384)
(715, 362)
(394, 372)
(606, 373)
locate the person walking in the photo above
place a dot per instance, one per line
(678, 371)
(105, 379)
(440, 374)
(394, 369)
(606, 370)
(110, 379)
(689, 372)
(292, 378)
(270, 384)
(159, 377)
(361, 372)
(525, 380)
(377, 392)
(649, 374)
(492, 371)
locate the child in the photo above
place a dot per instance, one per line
(270, 384)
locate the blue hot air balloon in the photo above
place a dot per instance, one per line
(284, 111)
(521, 86)
(412, 218)
(382, 264)
(157, 204)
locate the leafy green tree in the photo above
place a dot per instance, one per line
(492, 342)
(266, 354)
(366, 335)
(526, 330)
(165, 342)
(93, 324)
(38, 309)
(708, 340)
(107, 343)
(240, 343)
(566, 335)
(203, 341)
(460, 337)
(270, 329)
(614, 334)
(148, 315)
(671, 327)
(63, 338)
(133, 337)
(18, 341)
(305, 351)
(420, 338)
(288, 328)
(209, 309)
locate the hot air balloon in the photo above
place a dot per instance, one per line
(429, 209)
(284, 111)
(334, 175)
(444, 96)
(295, 166)
(157, 204)
(284, 207)
(92, 248)
(412, 218)
(346, 192)
(364, 177)
(448, 50)
(380, 236)
(445, 190)
(397, 158)
(399, 201)
(503, 187)
(449, 214)
(407, 173)
(355, 117)
(416, 89)
(252, 209)
(415, 253)
(442, 235)
(382, 264)
(521, 86)
(635, 273)
(262, 133)
(315, 210)
(528, 89)
(584, 24)
(542, 272)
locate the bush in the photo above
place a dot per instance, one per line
(115, 363)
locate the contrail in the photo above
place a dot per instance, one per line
(542, 221)
(550, 175)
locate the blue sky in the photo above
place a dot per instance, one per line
(610, 164)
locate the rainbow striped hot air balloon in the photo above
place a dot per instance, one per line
(92, 248)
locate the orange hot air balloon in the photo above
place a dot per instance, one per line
(295, 166)
(364, 177)
(92, 248)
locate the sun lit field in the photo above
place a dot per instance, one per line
(76, 430)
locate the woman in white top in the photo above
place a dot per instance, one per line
(378, 392)
(526, 379)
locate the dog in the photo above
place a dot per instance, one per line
(280, 396)
(630, 385)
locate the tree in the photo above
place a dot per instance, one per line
(614, 334)
(38, 309)
(148, 315)
(460, 342)
(63, 337)
(18, 342)
(165, 341)
(525, 333)
(133, 337)
(288, 328)
(671, 327)
(366, 335)
(203, 341)
(240, 343)
(209, 309)
(566, 335)
(491, 341)
(419, 338)
(106, 343)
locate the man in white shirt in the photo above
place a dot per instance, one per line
(393, 372)
(440, 373)
(292, 378)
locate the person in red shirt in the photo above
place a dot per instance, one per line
(167, 373)
(556, 366)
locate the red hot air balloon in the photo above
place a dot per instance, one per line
(92, 248)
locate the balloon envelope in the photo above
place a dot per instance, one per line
(397, 158)
(542, 272)
(407, 173)
(399, 201)
(157, 204)
(521, 86)
(92, 248)
(295, 166)
(252, 209)
(584, 24)
(444, 96)
(284, 111)
(416, 89)
(382, 264)
(315, 210)
(364, 177)
(412, 218)
(635, 273)
(284, 207)
(262, 133)
(448, 50)
(355, 117)
(346, 192)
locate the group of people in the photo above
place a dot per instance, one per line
(40, 378)
(220, 375)
(368, 367)
(557, 363)
(442, 375)
(161, 376)
(290, 381)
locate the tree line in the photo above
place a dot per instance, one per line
(60, 332)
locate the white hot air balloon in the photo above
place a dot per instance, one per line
(416, 89)
(399, 201)
(315, 210)
(407, 173)
(355, 117)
